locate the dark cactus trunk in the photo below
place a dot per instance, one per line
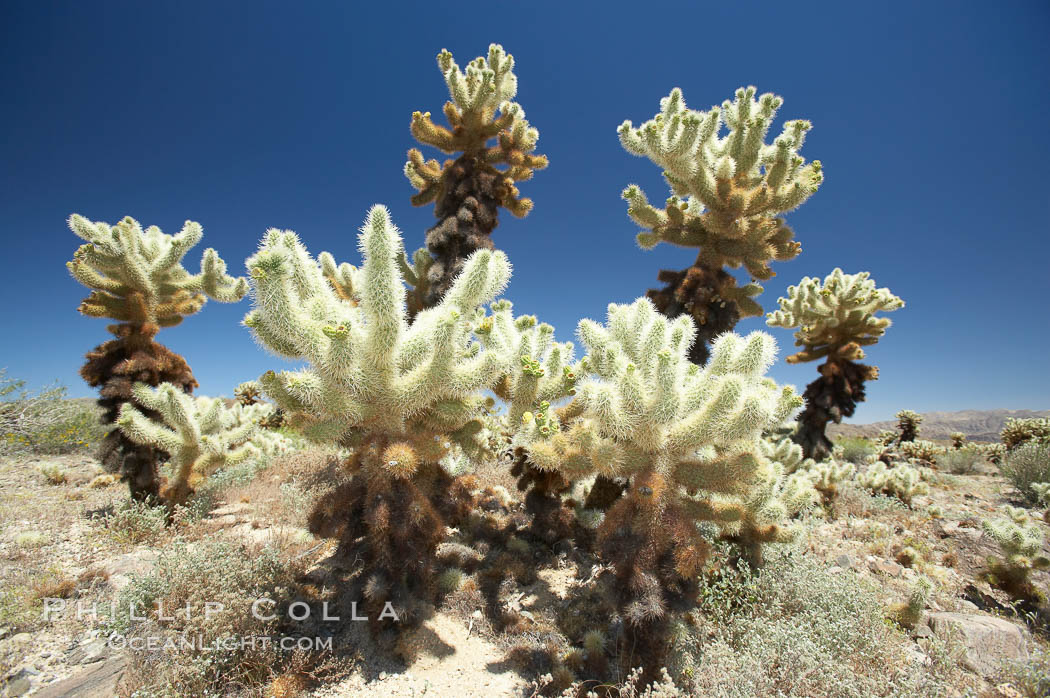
(113, 368)
(828, 399)
(467, 209)
(698, 292)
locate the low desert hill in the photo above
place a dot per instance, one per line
(978, 425)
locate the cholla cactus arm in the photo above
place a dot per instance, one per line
(468, 191)
(1019, 431)
(826, 477)
(137, 276)
(200, 435)
(834, 318)
(728, 195)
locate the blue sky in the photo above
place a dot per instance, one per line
(929, 118)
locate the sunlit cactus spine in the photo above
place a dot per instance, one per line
(835, 319)
(908, 426)
(406, 398)
(468, 191)
(136, 277)
(728, 196)
(1020, 540)
(688, 440)
(201, 435)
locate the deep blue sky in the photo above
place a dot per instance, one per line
(930, 119)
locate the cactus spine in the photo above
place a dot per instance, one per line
(727, 198)
(136, 277)
(468, 192)
(834, 320)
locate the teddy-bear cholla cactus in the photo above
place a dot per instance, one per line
(541, 373)
(834, 320)
(405, 398)
(467, 192)
(687, 438)
(1020, 431)
(136, 277)
(200, 434)
(958, 439)
(728, 195)
(900, 481)
(908, 426)
(1021, 541)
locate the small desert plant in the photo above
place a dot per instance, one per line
(248, 393)
(900, 481)
(960, 461)
(201, 435)
(1026, 465)
(54, 474)
(855, 448)
(1020, 541)
(958, 439)
(1021, 431)
(133, 522)
(907, 614)
(826, 477)
(908, 425)
(835, 319)
(209, 571)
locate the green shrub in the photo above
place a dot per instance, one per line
(808, 633)
(960, 461)
(1027, 464)
(134, 522)
(855, 448)
(209, 571)
(45, 422)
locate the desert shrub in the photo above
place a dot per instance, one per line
(855, 448)
(1021, 431)
(960, 461)
(808, 634)
(45, 422)
(132, 521)
(1030, 678)
(54, 474)
(209, 571)
(1026, 465)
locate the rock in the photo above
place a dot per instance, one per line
(844, 561)
(120, 569)
(988, 640)
(20, 638)
(967, 606)
(922, 631)
(231, 509)
(944, 529)
(89, 653)
(100, 681)
(887, 567)
(221, 521)
(17, 687)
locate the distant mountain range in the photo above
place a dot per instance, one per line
(978, 425)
